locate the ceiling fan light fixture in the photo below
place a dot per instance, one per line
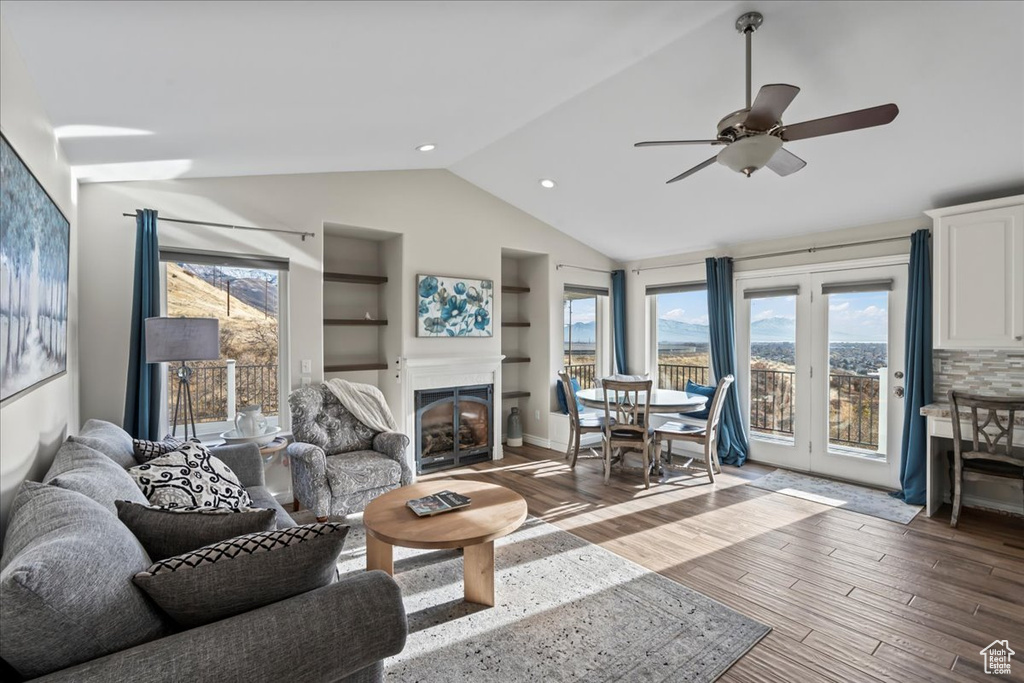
(750, 154)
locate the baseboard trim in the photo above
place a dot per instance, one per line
(536, 441)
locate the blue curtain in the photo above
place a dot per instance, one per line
(619, 318)
(732, 439)
(918, 372)
(142, 395)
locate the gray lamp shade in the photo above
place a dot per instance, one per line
(178, 339)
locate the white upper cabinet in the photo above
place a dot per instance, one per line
(979, 275)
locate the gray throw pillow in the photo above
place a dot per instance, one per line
(190, 477)
(108, 439)
(244, 573)
(66, 594)
(78, 467)
(164, 532)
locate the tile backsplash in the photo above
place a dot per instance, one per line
(998, 373)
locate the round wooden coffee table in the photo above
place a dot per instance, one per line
(494, 512)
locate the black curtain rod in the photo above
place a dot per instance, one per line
(301, 234)
(791, 252)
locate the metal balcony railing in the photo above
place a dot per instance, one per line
(218, 388)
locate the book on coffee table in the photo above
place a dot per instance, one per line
(442, 501)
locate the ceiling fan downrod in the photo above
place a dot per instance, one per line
(747, 24)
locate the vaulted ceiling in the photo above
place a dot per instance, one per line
(512, 92)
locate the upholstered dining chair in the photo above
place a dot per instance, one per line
(626, 405)
(339, 464)
(706, 436)
(991, 460)
(579, 423)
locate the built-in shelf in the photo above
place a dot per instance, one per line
(516, 359)
(514, 324)
(508, 395)
(355, 279)
(353, 321)
(355, 367)
(514, 289)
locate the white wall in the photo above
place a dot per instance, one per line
(447, 226)
(34, 424)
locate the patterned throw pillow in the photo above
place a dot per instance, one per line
(190, 477)
(165, 532)
(147, 450)
(244, 573)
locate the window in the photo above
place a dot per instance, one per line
(245, 295)
(584, 333)
(680, 341)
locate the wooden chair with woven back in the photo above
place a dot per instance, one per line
(988, 458)
(706, 436)
(626, 405)
(579, 423)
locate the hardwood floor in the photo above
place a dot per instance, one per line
(849, 597)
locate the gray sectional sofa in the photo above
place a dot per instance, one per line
(70, 611)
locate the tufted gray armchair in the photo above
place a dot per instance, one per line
(339, 464)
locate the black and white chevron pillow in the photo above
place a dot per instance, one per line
(190, 477)
(248, 544)
(147, 450)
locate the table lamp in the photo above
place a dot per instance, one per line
(182, 339)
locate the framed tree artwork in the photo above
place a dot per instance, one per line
(34, 255)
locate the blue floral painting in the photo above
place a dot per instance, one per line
(453, 307)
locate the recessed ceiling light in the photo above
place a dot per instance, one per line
(429, 147)
(547, 183)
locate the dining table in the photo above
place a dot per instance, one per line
(662, 400)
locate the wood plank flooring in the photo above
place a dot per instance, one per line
(850, 597)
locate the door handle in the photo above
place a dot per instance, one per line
(899, 374)
(898, 391)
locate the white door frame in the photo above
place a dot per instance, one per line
(883, 469)
(810, 433)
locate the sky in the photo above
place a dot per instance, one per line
(684, 307)
(862, 316)
(583, 311)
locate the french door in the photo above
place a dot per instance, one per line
(820, 357)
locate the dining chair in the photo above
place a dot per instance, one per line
(626, 403)
(990, 460)
(706, 436)
(588, 423)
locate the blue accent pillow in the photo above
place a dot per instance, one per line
(563, 403)
(692, 388)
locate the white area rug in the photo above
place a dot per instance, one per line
(839, 494)
(567, 610)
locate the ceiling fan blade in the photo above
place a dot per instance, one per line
(840, 123)
(769, 104)
(784, 162)
(659, 143)
(703, 164)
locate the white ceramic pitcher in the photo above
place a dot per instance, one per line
(250, 421)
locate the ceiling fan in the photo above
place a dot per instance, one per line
(753, 136)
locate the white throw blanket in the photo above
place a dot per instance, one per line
(366, 403)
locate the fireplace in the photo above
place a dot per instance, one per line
(454, 426)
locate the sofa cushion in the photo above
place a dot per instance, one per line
(108, 439)
(164, 532)
(147, 450)
(320, 419)
(77, 467)
(244, 573)
(66, 594)
(190, 477)
(261, 497)
(361, 470)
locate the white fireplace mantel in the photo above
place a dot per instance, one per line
(440, 372)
